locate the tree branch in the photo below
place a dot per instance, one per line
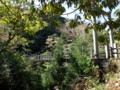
(8, 8)
(71, 12)
(102, 12)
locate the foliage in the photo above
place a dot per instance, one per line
(73, 24)
(103, 37)
(51, 41)
(67, 72)
(90, 9)
(117, 35)
(55, 9)
(78, 66)
(15, 22)
(16, 73)
(41, 37)
(50, 79)
(19, 18)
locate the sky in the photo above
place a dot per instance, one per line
(68, 10)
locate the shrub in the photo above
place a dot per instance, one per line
(64, 73)
(54, 73)
(79, 66)
(16, 73)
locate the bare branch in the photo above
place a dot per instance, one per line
(71, 12)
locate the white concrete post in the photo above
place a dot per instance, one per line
(95, 43)
(111, 42)
(107, 51)
(115, 51)
(111, 37)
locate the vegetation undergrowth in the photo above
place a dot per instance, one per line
(112, 82)
(67, 73)
(16, 73)
(20, 19)
(111, 78)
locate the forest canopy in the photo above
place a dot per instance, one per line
(23, 22)
(20, 17)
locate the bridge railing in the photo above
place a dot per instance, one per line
(106, 52)
(46, 57)
(116, 51)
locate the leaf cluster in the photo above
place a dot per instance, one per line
(16, 73)
(64, 73)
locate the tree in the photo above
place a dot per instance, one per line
(16, 21)
(18, 18)
(68, 71)
(92, 11)
(27, 14)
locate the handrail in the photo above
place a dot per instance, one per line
(116, 48)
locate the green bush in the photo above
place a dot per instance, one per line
(54, 73)
(16, 73)
(79, 66)
(64, 73)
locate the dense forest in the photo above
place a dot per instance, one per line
(27, 29)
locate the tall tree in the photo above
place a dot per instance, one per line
(90, 9)
(17, 18)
